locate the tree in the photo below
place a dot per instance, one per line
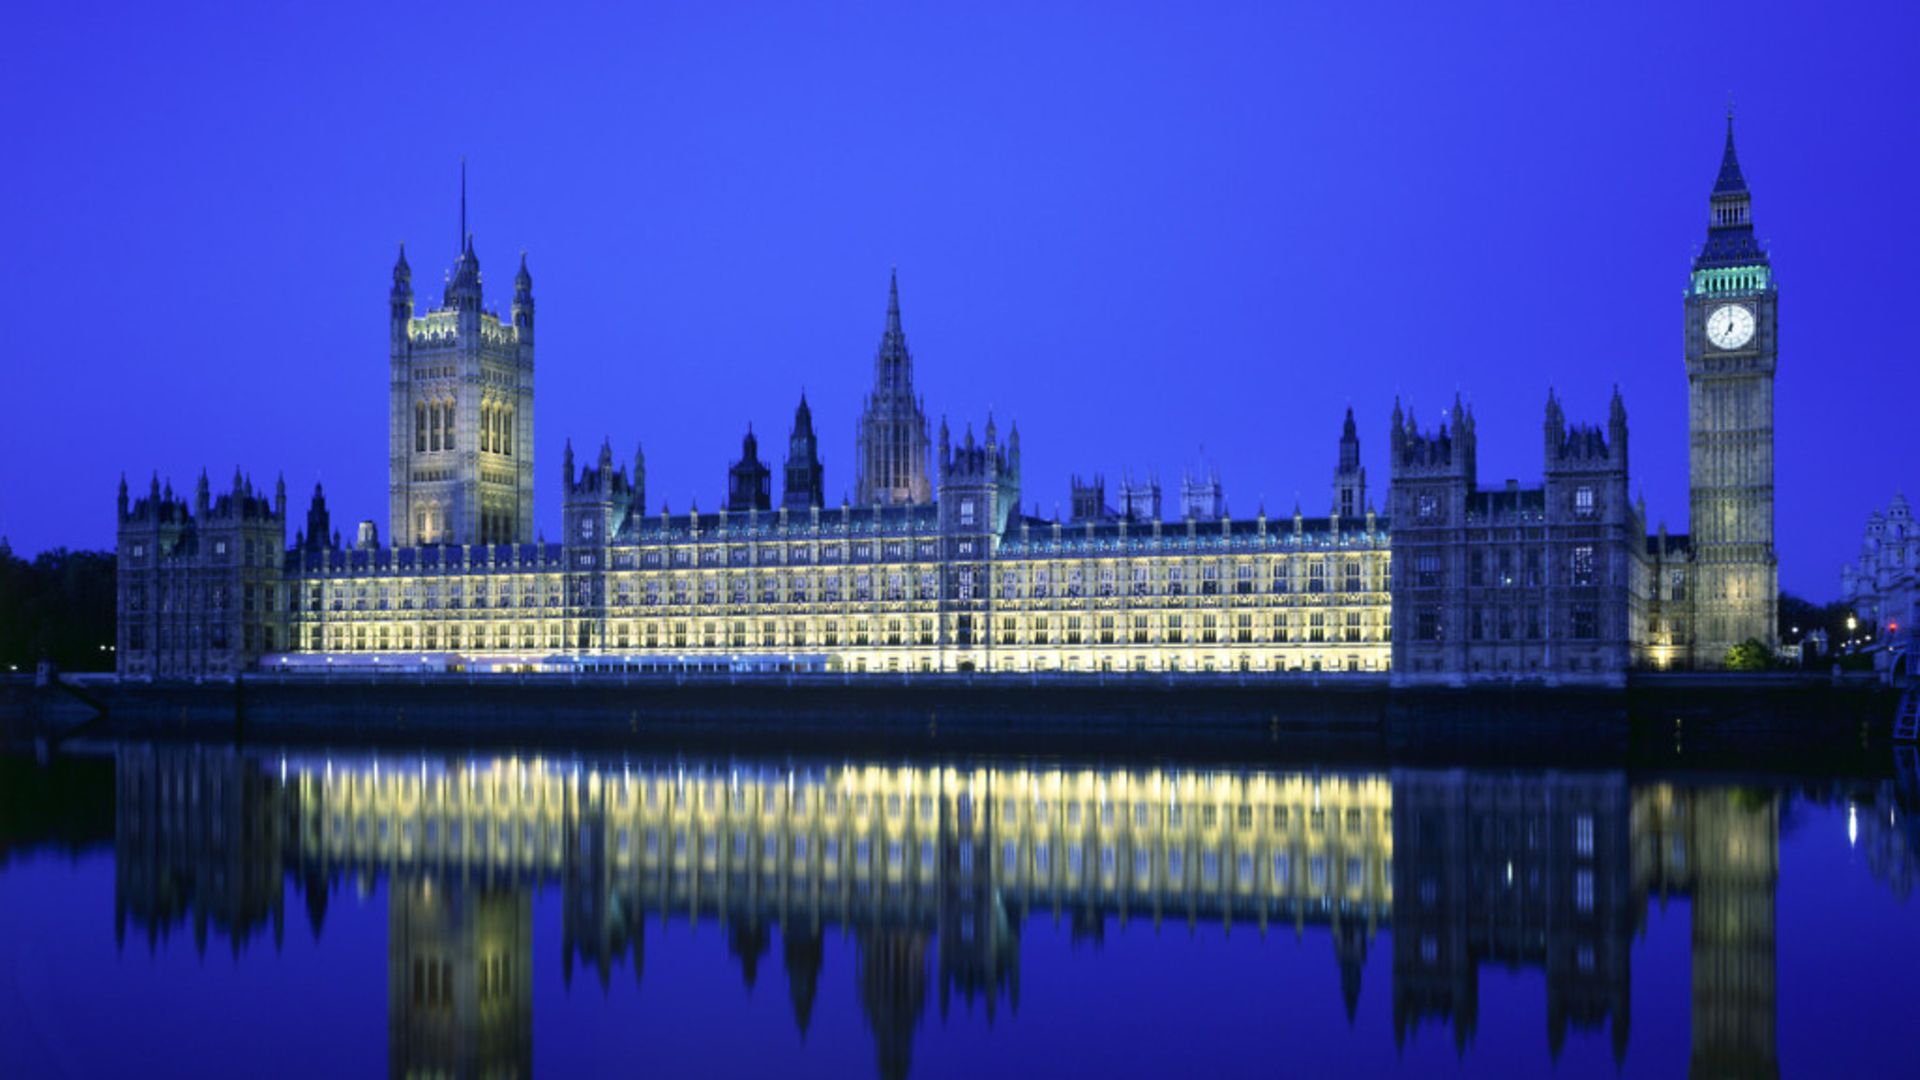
(58, 607)
(1750, 655)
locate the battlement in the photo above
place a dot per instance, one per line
(1447, 452)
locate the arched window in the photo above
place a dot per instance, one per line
(419, 427)
(509, 427)
(433, 414)
(449, 409)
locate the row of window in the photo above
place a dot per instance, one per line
(1506, 568)
(1506, 622)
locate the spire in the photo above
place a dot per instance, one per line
(893, 299)
(1730, 240)
(1730, 181)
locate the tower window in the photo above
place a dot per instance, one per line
(419, 428)
(1583, 501)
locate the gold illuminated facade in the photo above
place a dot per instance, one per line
(938, 568)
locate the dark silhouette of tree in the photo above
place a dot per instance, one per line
(58, 607)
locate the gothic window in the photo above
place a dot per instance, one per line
(1583, 501)
(1429, 507)
(1426, 622)
(1586, 623)
(433, 441)
(449, 424)
(419, 427)
(508, 418)
(1583, 565)
(1353, 575)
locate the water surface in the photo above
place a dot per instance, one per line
(200, 909)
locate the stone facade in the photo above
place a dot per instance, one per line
(460, 410)
(1515, 583)
(200, 586)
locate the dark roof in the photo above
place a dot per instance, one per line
(1235, 533)
(1729, 182)
(765, 524)
(1677, 544)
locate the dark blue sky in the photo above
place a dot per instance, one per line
(1139, 233)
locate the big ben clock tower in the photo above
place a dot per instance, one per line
(1732, 335)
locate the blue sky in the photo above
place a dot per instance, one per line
(1150, 234)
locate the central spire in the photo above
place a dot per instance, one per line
(893, 302)
(892, 463)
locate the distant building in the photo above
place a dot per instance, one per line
(1882, 586)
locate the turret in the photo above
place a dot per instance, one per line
(319, 522)
(638, 496)
(122, 502)
(748, 481)
(1617, 427)
(1349, 478)
(202, 496)
(805, 480)
(401, 298)
(1555, 428)
(523, 300)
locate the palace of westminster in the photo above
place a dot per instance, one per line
(934, 567)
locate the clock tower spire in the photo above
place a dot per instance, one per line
(1731, 339)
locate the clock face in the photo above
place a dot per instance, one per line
(1730, 326)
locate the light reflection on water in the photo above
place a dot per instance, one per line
(935, 871)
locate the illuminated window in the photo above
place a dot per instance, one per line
(1582, 565)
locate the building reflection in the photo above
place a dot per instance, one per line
(933, 871)
(1721, 847)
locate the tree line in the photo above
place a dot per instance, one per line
(57, 607)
